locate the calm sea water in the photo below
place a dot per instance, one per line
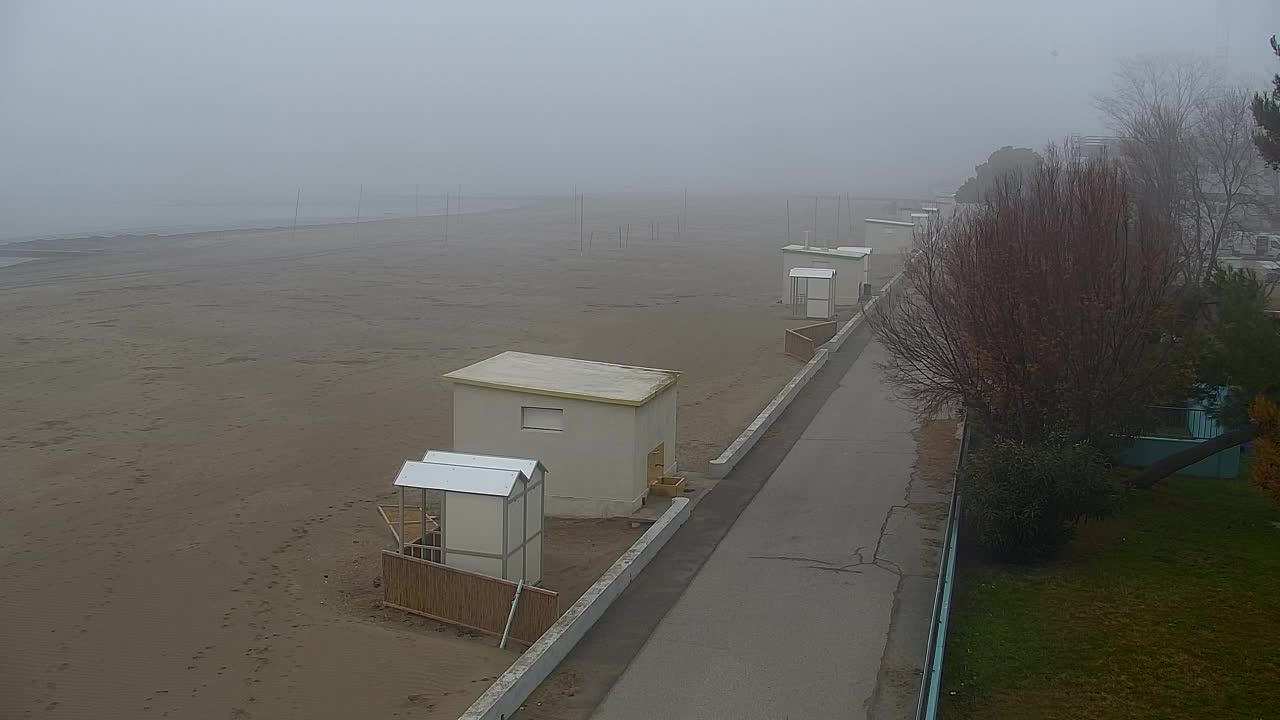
(121, 214)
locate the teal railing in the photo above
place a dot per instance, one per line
(931, 677)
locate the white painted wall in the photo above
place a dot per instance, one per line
(888, 239)
(473, 522)
(851, 273)
(533, 508)
(482, 565)
(655, 423)
(587, 463)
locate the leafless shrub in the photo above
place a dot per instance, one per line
(1043, 309)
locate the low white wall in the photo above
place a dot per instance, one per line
(738, 449)
(513, 687)
(721, 466)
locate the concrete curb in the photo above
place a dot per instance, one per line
(721, 466)
(513, 687)
(836, 342)
(741, 445)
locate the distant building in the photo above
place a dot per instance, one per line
(1088, 147)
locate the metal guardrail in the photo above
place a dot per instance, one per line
(1183, 422)
(931, 677)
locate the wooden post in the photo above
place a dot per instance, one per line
(849, 204)
(815, 219)
(296, 203)
(402, 519)
(359, 203)
(837, 235)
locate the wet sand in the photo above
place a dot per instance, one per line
(196, 430)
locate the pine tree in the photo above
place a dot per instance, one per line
(1266, 112)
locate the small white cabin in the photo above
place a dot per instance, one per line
(491, 511)
(851, 264)
(889, 236)
(608, 430)
(813, 293)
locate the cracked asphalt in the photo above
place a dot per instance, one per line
(816, 602)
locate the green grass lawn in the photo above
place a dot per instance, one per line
(1171, 609)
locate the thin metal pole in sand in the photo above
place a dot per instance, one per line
(849, 203)
(837, 235)
(359, 205)
(582, 243)
(296, 203)
(619, 237)
(424, 525)
(446, 216)
(684, 220)
(815, 219)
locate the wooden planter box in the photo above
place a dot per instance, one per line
(668, 485)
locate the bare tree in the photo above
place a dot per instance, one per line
(1043, 309)
(1227, 171)
(1186, 142)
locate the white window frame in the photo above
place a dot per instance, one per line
(526, 423)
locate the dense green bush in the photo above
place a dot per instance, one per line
(1025, 501)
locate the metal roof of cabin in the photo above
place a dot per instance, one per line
(458, 478)
(567, 378)
(849, 252)
(826, 273)
(496, 462)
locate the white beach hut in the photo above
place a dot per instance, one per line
(851, 264)
(889, 236)
(608, 430)
(491, 511)
(813, 293)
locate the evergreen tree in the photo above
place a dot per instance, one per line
(1266, 112)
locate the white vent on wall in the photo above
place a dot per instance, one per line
(537, 418)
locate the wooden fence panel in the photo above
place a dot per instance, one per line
(472, 600)
(798, 346)
(802, 343)
(819, 333)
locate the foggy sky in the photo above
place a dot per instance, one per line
(192, 97)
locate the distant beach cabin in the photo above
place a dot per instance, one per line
(813, 293)
(851, 264)
(889, 236)
(605, 430)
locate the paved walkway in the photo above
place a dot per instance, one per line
(816, 602)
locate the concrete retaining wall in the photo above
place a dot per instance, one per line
(513, 687)
(738, 449)
(721, 466)
(1147, 450)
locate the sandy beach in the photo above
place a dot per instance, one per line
(196, 430)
